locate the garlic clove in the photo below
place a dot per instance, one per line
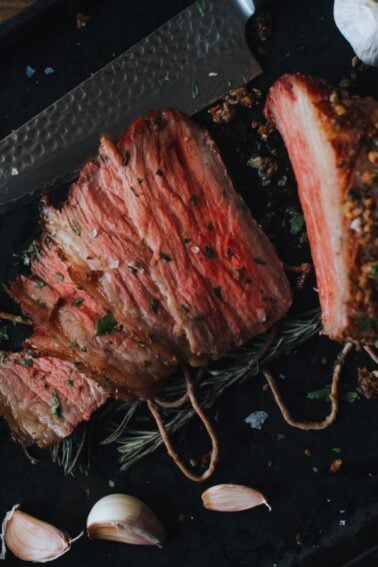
(124, 518)
(31, 539)
(232, 498)
(357, 20)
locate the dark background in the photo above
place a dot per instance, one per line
(310, 503)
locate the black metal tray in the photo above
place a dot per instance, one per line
(318, 517)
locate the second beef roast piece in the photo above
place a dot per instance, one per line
(44, 398)
(332, 142)
(154, 231)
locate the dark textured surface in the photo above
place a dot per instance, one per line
(310, 504)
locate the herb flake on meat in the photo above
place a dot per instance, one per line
(55, 405)
(106, 324)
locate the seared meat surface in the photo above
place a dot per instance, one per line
(332, 141)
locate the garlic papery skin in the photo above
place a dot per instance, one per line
(31, 539)
(357, 20)
(124, 518)
(232, 498)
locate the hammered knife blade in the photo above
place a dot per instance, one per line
(187, 63)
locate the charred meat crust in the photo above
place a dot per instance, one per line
(351, 128)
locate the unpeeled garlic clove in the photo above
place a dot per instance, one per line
(232, 498)
(124, 518)
(31, 539)
(357, 20)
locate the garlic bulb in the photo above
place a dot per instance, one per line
(31, 539)
(123, 518)
(358, 22)
(232, 498)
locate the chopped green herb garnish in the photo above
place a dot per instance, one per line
(209, 252)
(230, 253)
(242, 205)
(296, 223)
(59, 277)
(218, 292)
(75, 227)
(77, 301)
(3, 356)
(55, 404)
(111, 484)
(32, 252)
(195, 89)
(159, 173)
(39, 284)
(280, 436)
(353, 194)
(336, 449)
(201, 6)
(198, 318)
(4, 333)
(73, 345)
(84, 349)
(186, 240)
(184, 308)
(210, 226)
(106, 324)
(41, 304)
(27, 362)
(70, 382)
(194, 200)
(76, 363)
(260, 261)
(322, 394)
(373, 269)
(165, 257)
(350, 397)
(155, 305)
(229, 84)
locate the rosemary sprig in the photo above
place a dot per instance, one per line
(135, 442)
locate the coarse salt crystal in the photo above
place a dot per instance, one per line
(256, 419)
(195, 249)
(342, 522)
(113, 263)
(355, 224)
(212, 74)
(14, 171)
(93, 233)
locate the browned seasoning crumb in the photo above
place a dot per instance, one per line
(269, 463)
(307, 452)
(243, 97)
(222, 113)
(367, 383)
(336, 465)
(261, 26)
(373, 157)
(255, 124)
(82, 20)
(265, 130)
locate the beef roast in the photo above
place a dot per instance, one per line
(156, 231)
(71, 325)
(152, 261)
(45, 398)
(332, 141)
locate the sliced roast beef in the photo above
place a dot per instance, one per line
(157, 233)
(45, 398)
(71, 325)
(152, 261)
(332, 143)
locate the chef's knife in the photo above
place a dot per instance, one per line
(187, 64)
